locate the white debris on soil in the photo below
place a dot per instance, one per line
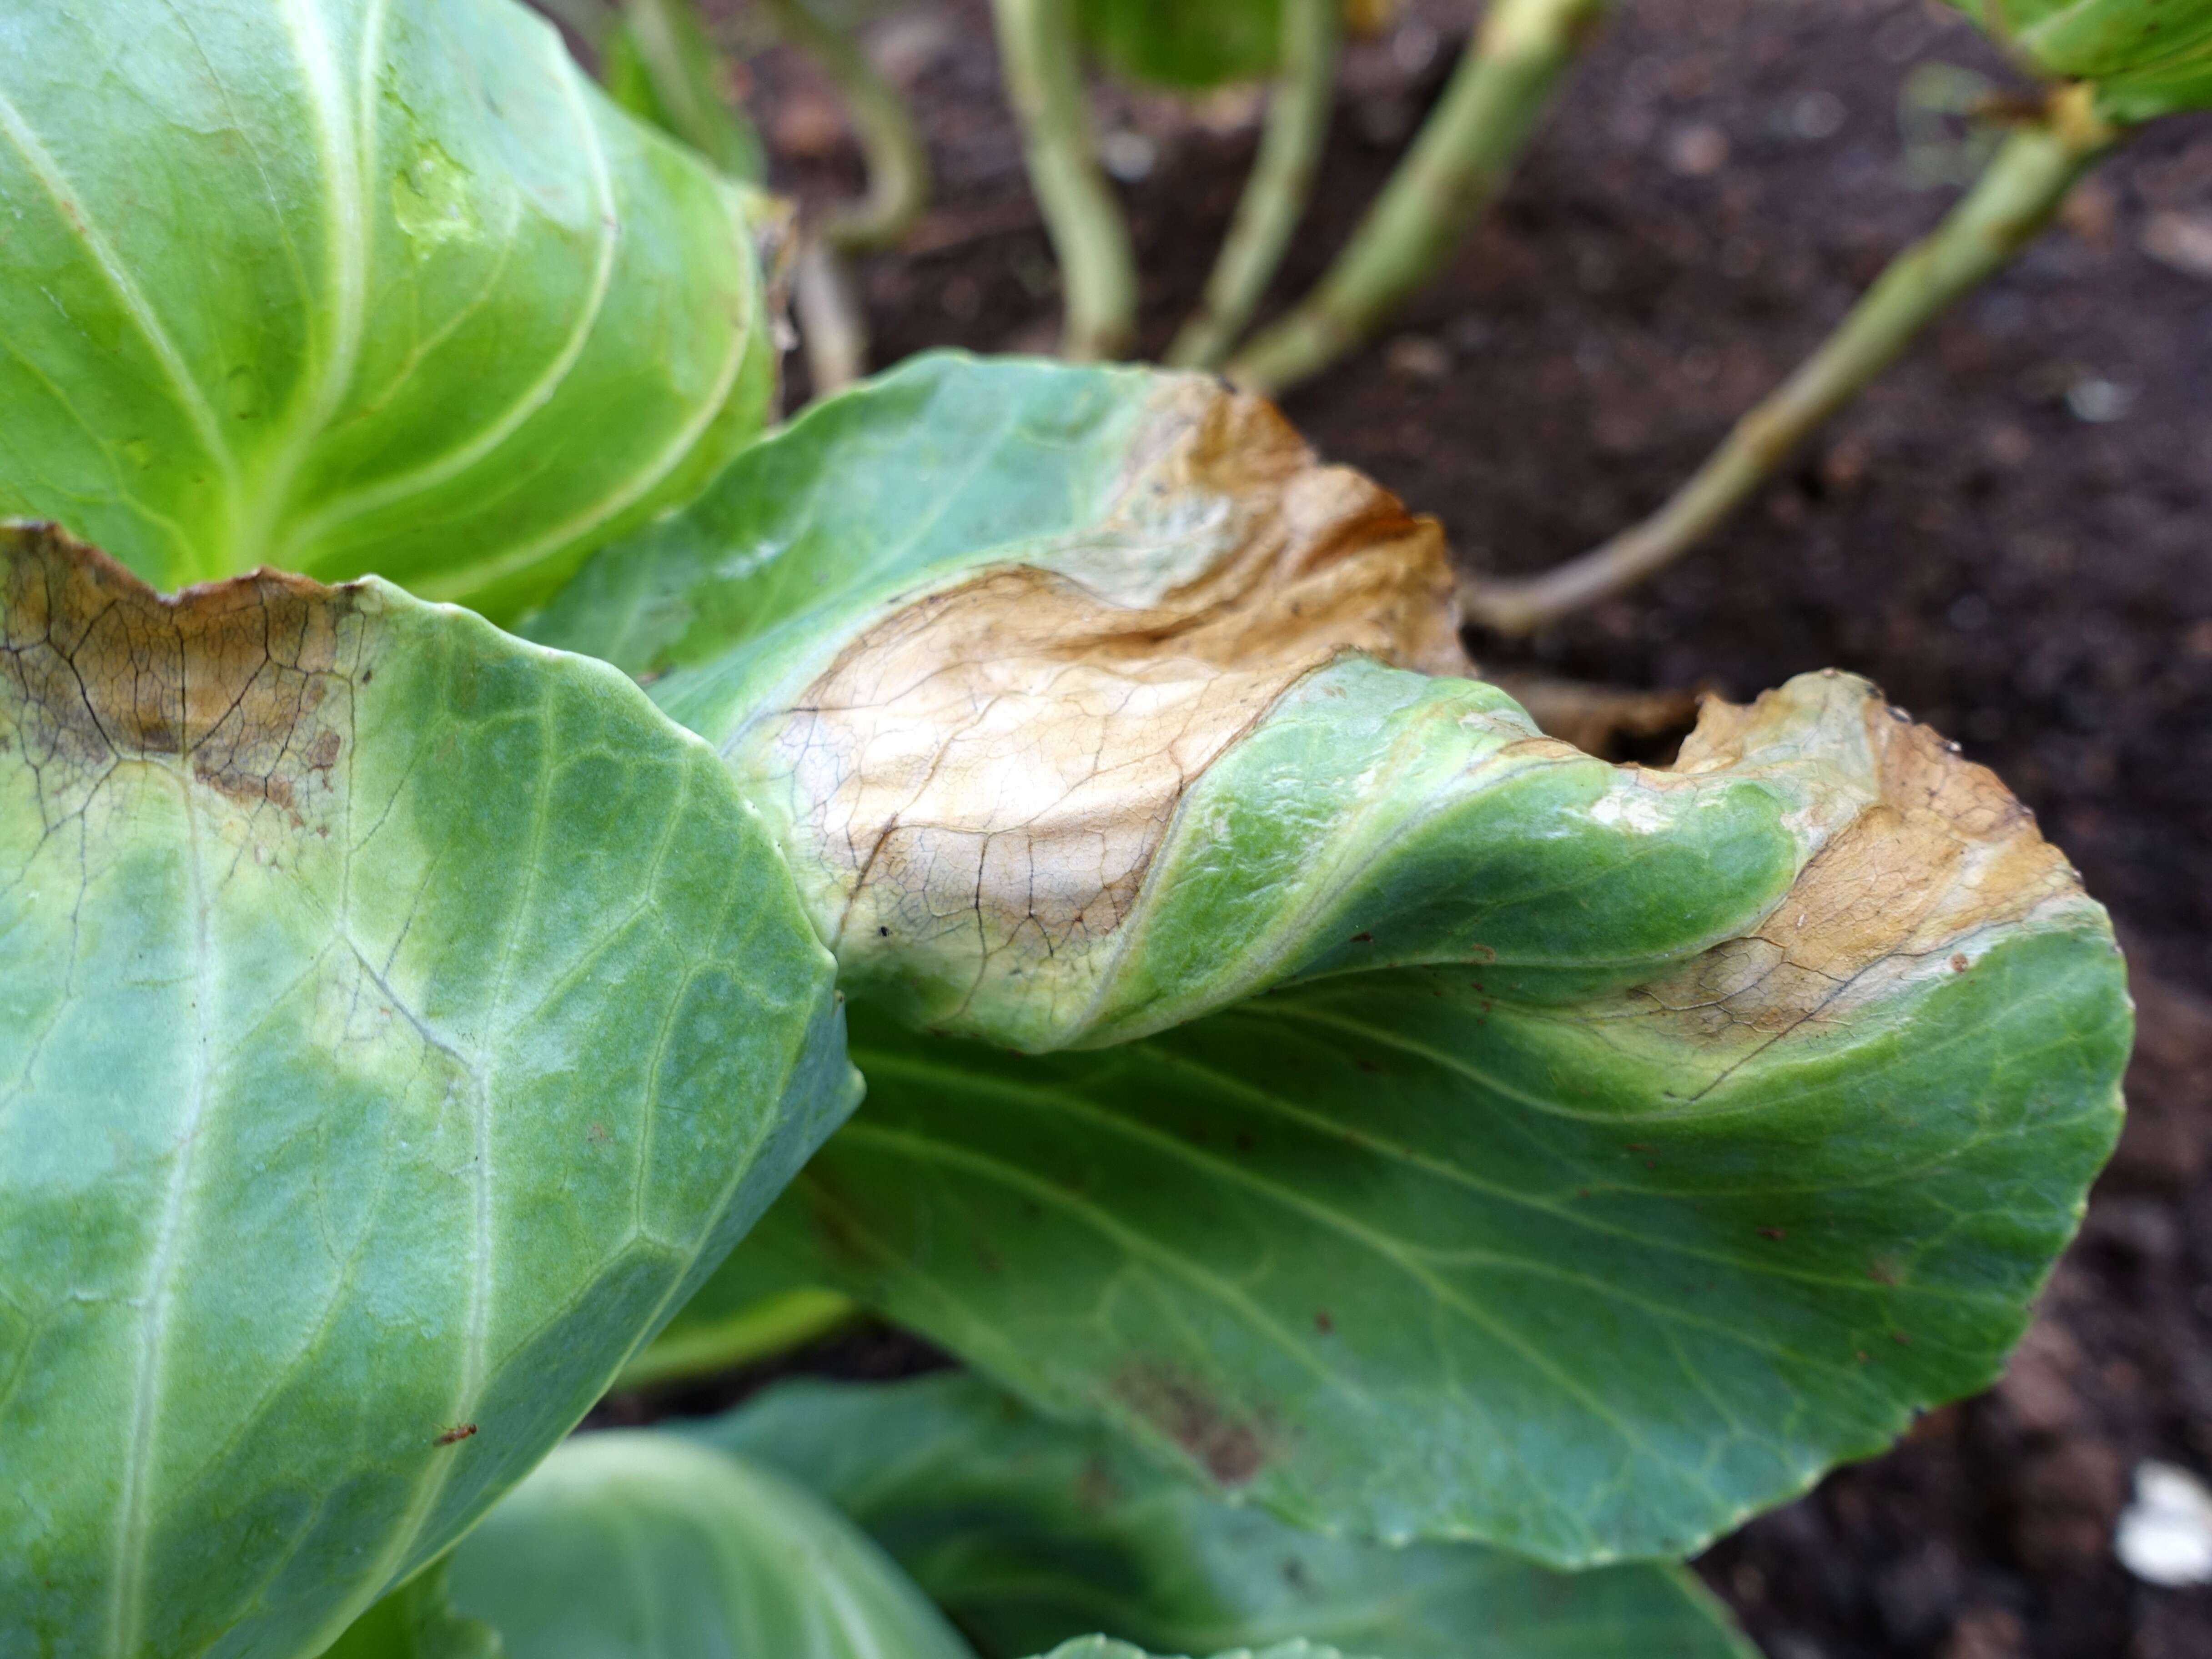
(2165, 1537)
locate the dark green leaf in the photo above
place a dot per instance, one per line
(1190, 45)
(417, 1621)
(1503, 1145)
(1025, 1530)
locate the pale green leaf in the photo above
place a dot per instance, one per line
(348, 285)
(1025, 1530)
(396, 1020)
(638, 1545)
(1104, 1647)
(1504, 1145)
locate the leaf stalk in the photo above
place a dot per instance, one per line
(1466, 151)
(682, 70)
(1043, 74)
(1275, 195)
(890, 141)
(2015, 198)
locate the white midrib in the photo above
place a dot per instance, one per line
(347, 146)
(127, 1611)
(457, 585)
(190, 398)
(540, 392)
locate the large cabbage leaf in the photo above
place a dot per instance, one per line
(396, 1020)
(1026, 1531)
(338, 286)
(1501, 1144)
(966, 635)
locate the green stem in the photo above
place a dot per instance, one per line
(1044, 82)
(1466, 151)
(898, 160)
(771, 1326)
(2015, 198)
(1275, 197)
(832, 324)
(681, 88)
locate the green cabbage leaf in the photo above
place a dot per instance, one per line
(339, 286)
(632, 1544)
(1280, 1050)
(397, 1022)
(1025, 1530)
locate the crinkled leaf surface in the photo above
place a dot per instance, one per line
(968, 632)
(347, 285)
(1405, 1254)
(1501, 1144)
(396, 1022)
(2147, 58)
(638, 1545)
(1025, 1530)
(1193, 44)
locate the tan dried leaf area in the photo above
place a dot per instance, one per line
(1929, 854)
(238, 685)
(988, 771)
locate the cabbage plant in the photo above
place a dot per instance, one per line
(1397, 1183)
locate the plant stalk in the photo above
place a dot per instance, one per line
(2015, 198)
(1466, 151)
(890, 141)
(833, 325)
(772, 1326)
(1275, 195)
(682, 71)
(1043, 74)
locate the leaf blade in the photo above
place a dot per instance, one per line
(389, 347)
(1025, 1530)
(1125, 747)
(313, 897)
(640, 1544)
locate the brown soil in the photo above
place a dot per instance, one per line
(1721, 180)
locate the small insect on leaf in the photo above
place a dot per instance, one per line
(452, 1435)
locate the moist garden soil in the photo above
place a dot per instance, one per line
(2011, 533)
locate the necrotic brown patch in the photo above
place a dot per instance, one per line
(986, 773)
(1230, 1444)
(233, 680)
